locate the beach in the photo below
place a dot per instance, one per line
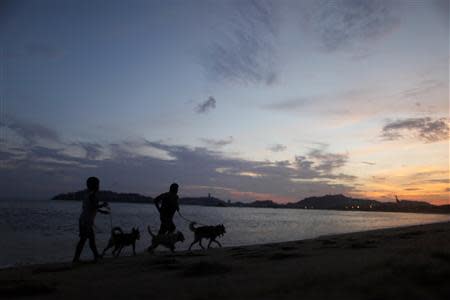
(402, 263)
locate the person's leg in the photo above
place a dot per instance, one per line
(171, 226)
(92, 244)
(80, 244)
(162, 228)
(79, 248)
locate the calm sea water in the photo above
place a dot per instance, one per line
(47, 231)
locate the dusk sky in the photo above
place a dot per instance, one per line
(246, 100)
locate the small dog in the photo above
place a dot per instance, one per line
(206, 232)
(167, 240)
(119, 239)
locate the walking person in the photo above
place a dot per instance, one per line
(89, 210)
(167, 205)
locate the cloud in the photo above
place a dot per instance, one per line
(218, 143)
(29, 131)
(277, 148)
(328, 162)
(424, 129)
(344, 24)
(206, 106)
(93, 150)
(368, 163)
(43, 171)
(243, 49)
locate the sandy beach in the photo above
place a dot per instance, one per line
(401, 263)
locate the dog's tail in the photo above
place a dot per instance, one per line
(192, 226)
(116, 230)
(150, 231)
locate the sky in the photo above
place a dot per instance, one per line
(245, 100)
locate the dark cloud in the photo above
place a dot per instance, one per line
(93, 150)
(218, 142)
(30, 132)
(424, 129)
(277, 148)
(368, 163)
(44, 171)
(343, 24)
(328, 162)
(243, 50)
(206, 106)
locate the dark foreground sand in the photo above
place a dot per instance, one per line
(403, 263)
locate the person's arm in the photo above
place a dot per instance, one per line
(98, 207)
(105, 212)
(178, 205)
(157, 202)
(103, 204)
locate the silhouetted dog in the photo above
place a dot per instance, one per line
(206, 232)
(167, 240)
(118, 240)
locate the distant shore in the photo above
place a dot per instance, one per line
(399, 263)
(327, 202)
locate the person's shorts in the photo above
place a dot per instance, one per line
(85, 230)
(167, 226)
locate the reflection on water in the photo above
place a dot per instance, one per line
(44, 231)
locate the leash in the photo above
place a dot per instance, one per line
(110, 220)
(190, 221)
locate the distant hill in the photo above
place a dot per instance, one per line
(332, 202)
(204, 201)
(106, 196)
(336, 202)
(110, 196)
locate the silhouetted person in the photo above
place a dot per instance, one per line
(87, 217)
(167, 205)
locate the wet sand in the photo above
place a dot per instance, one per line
(401, 263)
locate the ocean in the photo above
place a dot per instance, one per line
(47, 231)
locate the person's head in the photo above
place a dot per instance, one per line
(174, 188)
(93, 184)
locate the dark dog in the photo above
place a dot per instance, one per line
(206, 232)
(167, 240)
(119, 239)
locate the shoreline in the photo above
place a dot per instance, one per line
(25, 265)
(409, 262)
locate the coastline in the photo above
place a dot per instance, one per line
(405, 262)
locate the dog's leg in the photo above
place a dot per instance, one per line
(209, 244)
(116, 247)
(120, 250)
(193, 243)
(134, 249)
(218, 243)
(200, 243)
(109, 246)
